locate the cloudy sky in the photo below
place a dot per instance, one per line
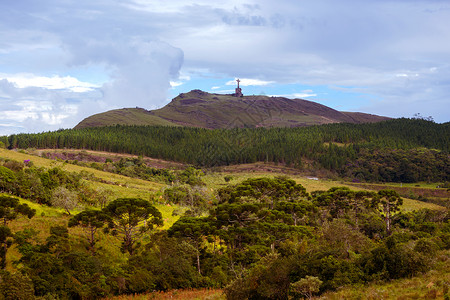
(61, 61)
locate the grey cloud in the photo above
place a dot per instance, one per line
(109, 34)
(363, 44)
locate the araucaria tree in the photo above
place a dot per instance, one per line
(194, 230)
(388, 202)
(10, 208)
(131, 218)
(90, 221)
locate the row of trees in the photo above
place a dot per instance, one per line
(343, 148)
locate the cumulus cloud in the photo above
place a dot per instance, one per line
(36, 109)
(362, 45)
(78, 57)
(116, 59)
(53, 83)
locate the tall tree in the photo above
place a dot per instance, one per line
(131, 218)
(193, 229)
(90, 221)
(388, 202)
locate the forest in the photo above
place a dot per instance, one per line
(400, 150)
(94, 230)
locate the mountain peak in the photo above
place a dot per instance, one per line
(202, 109)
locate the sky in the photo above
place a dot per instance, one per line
(64, 60)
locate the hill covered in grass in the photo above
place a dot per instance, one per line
(201, 109)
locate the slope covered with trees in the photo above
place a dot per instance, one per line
(401, 150)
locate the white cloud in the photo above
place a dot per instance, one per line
(249, 82)
(36, 109)
(52, 83)
(175, 83)
(297, 95)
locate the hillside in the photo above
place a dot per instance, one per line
(206, 110)
(57, 253)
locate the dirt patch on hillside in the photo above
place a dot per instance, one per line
(102, 157)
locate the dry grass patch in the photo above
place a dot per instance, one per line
(190, 294)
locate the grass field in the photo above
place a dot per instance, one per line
(114, 179)
(191, 294)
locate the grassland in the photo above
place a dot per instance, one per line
(210, 294)
(125, 116)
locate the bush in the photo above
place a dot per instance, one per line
(15, 286)
(306, 286)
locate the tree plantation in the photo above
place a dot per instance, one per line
(401, 150)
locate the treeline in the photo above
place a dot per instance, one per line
(342, 148)
(264, 238)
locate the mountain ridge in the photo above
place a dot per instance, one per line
(207, 110)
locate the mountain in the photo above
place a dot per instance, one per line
(202, 109)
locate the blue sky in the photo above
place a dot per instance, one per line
(61, 61)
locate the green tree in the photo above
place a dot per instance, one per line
(7, 179)
(59, 271)
(103, 196)
(268, 279)
(194, 230)
(131, 218)
(263, 190)
(297, 210)
(388, 202)
(90, 221)
(15, 286)
(307, 286)
(10, 209)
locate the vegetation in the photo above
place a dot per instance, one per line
(75, 232)
(402, 150)
(10, 208)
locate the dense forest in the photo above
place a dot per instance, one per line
(401, 150)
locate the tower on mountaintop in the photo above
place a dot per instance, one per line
(238, 90)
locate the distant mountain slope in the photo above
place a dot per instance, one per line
(202, 109)
(124, 116)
